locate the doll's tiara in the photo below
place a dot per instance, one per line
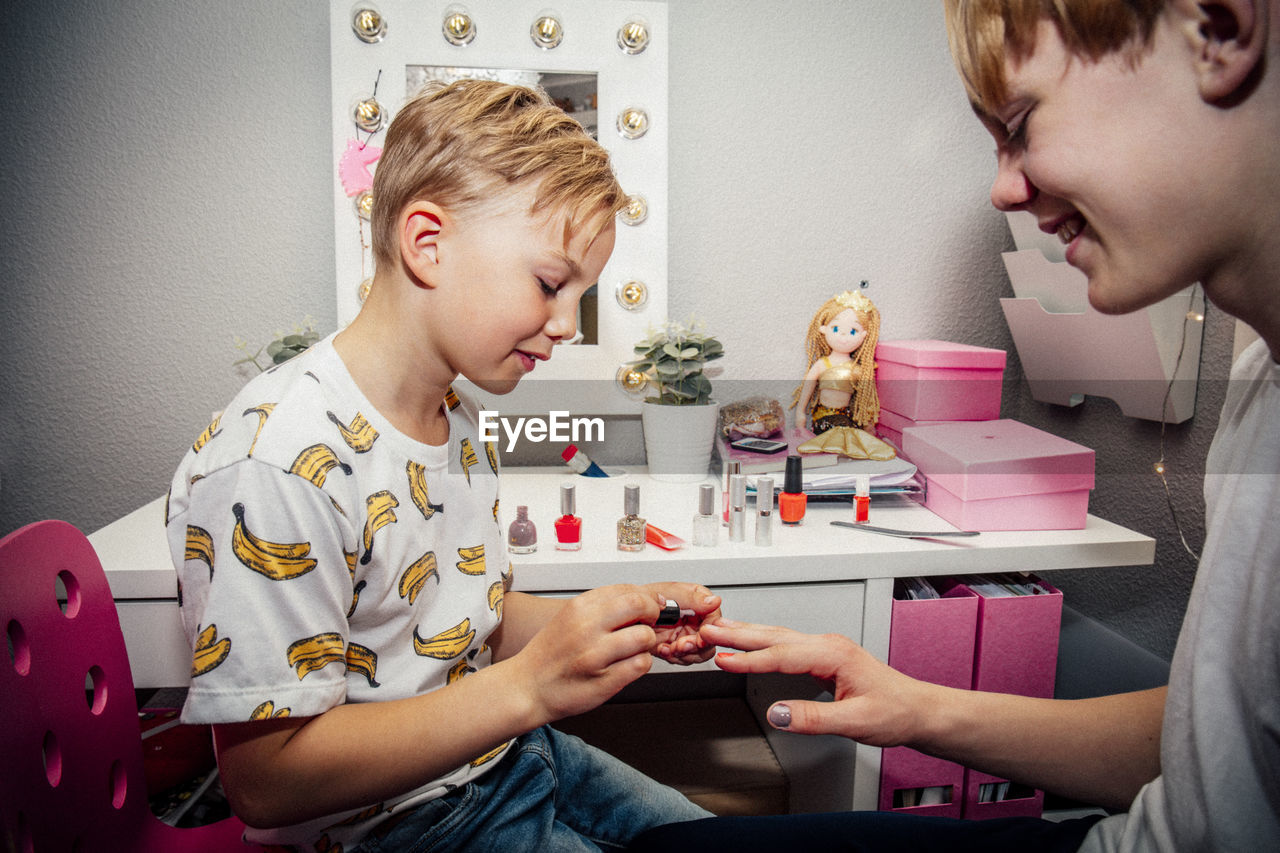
(856, 300)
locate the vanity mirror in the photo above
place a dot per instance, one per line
(605, 62)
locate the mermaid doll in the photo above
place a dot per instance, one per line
(839, 388)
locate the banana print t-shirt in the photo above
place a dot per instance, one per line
(324, 558)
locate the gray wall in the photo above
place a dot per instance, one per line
(169, 189)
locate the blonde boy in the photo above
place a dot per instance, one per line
(1144, 134)
(370, 676)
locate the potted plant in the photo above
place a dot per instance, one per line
(678, 416)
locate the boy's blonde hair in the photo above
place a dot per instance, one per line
(457, 144)
(984, 33)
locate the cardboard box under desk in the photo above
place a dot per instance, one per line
(1015, 651)
(939, 380)
(932, 640)
(1001, 475)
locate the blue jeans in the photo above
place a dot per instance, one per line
(550, 792)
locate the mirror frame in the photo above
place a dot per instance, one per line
(502, 40)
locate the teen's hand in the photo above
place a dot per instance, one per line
(682, 643)
(597, 644)
(873, 704)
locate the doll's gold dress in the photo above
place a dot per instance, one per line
(835, 428)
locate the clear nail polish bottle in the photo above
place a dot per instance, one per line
(706, 527)
(631, 525)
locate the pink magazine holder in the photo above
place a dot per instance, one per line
(72, 748)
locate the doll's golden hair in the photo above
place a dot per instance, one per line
(465, 142)
(864, 408)
(984, 33)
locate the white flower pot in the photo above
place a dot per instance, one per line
(678, 440)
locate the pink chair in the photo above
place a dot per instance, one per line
(71, 748)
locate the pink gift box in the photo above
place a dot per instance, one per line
(1016, 652)
(1001, 475)
(892, 424)
(933, 640)
(939, 380)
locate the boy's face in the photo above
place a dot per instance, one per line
(510, 285)
(1111, 157)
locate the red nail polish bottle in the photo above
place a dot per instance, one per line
(792, 499)
(568, 525)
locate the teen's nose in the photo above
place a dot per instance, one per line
(1011, 189)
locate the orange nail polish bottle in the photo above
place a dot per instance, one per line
(792, 499)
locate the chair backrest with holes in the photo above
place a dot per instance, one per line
(70, 743)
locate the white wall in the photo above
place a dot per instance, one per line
(168, 189)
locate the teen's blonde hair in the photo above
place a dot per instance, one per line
(461, 143)
(864, 408)
(984, 33)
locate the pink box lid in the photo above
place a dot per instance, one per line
(940, 354)
(976, 460)
(898, 422)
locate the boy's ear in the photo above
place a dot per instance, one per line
(1231, 42)
(420, 225)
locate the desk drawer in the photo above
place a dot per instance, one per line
(814, 608)
(158, 652)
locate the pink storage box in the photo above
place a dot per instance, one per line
(939, 381)
(933, 640)
(1016, 652)
(892, 424)
(1001, 475)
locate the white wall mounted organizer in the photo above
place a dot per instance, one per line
(1068, 350)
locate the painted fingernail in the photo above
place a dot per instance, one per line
(725, 654)
(780, 716)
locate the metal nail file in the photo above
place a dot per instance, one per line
(904, 534)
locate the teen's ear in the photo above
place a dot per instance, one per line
(1231, 41)
(420, 226)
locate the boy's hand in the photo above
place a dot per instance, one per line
(682, 643)
(598, 643)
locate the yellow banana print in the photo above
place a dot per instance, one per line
(209, 651)
(468, 458)
(508, 577)
(447, 644)
(313, 653)
(355, 587)
(459, 669)
(267, 711)
(472, 562)
(209, 432)
(418, 490)
(381, 510)
(363, 661)
(496, 594)
(488, 756)
(263, 411)
(415, 577)
(274, 560)
(491, 453)
(451, 398)
(368, 813)
(199, 546)
(495, 509)
(316, 462)
(359, 435)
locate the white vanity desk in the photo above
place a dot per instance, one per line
(815, 577)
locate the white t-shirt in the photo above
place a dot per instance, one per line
(324, 557)
(1219, 787)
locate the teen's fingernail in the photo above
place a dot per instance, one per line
(780, 716)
